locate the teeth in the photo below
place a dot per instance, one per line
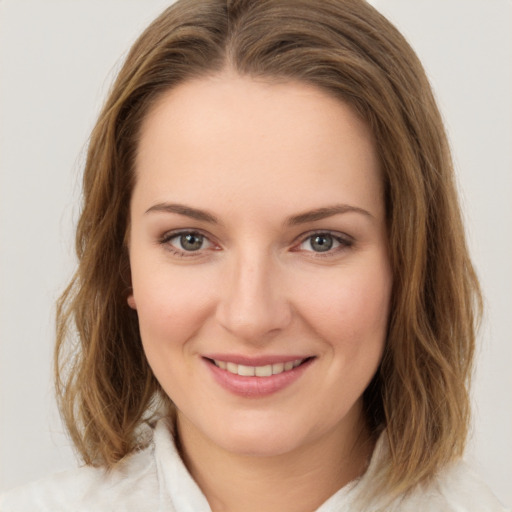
(263, 371)
(277, 368)
(258, 371)
(246, 371)
(232, 367)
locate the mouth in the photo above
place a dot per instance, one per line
(266, 370)
(264, 377)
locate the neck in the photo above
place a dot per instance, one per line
(298, 481)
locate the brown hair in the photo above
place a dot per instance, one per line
(420, 393)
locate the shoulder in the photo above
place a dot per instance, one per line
(88, 488)
(456, 489)
(463, 489)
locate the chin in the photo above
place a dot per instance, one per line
(260, 445)
(260, 438)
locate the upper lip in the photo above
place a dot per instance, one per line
(262, 360)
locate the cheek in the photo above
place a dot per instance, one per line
(171, 307)
(171, 304)
(350, 307)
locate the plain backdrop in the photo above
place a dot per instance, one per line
(57, 60)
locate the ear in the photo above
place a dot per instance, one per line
(131, 301)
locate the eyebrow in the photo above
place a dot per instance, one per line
(294, 220)
(187, 211)
(323, 213)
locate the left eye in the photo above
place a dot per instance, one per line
(189, 241)
(322, 242)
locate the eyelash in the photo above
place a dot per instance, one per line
(345, 242)
(167, 237)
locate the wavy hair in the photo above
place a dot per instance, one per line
(105, 387)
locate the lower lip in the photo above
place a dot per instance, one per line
(255, 387)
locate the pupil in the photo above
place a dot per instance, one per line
(321, 243)
(191, 242)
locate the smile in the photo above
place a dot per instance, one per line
(258, 371)
(264, 377)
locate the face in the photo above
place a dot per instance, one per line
(259, 261)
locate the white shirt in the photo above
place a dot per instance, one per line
(156, 480)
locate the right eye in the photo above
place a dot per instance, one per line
(186, 242)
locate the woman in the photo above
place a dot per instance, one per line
(272, 265)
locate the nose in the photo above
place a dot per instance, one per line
(253, 305)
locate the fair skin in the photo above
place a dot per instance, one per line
(257, 238)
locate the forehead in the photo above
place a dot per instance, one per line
(236, 136)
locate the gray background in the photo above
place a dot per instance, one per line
(57, 60)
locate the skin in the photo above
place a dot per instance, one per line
(253, 154)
